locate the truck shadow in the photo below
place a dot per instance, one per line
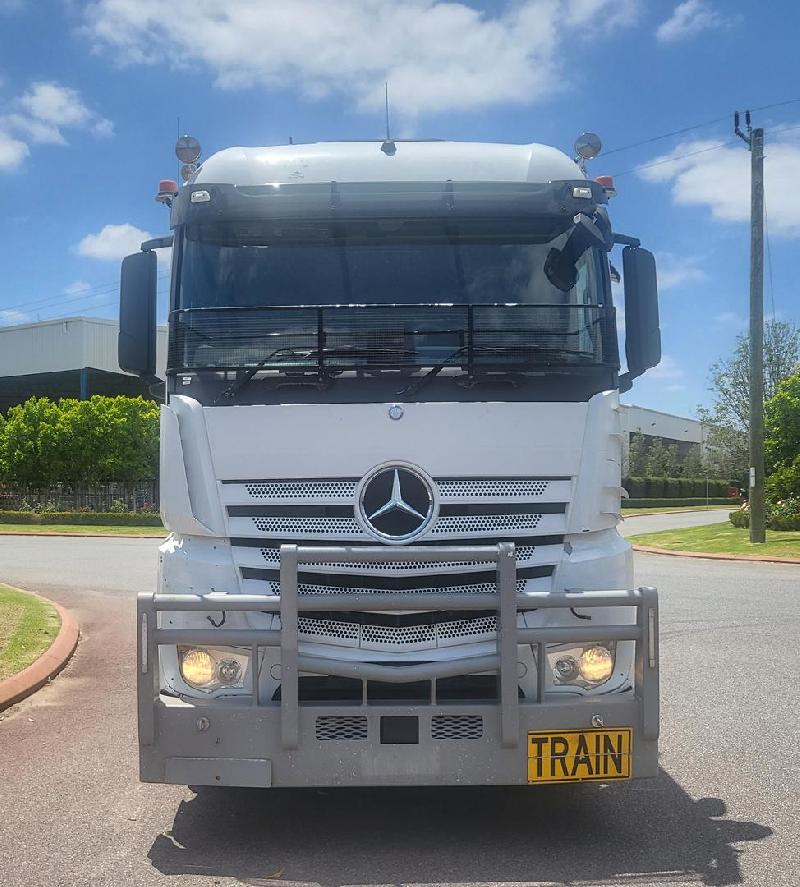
(628, 833)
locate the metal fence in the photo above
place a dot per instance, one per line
(112, 496)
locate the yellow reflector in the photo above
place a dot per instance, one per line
(197, 667)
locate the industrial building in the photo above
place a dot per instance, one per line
(77, 357)
(68, 357)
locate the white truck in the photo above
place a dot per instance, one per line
(390, 472)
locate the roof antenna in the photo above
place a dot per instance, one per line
(388, 147)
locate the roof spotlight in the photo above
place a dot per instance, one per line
(187, 149)
(188, 170)
(587, 146)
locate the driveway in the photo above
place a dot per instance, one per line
(722, 811)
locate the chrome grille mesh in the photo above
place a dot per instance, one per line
(333, 526)
(344, 490)
(374, 636)
(265, 513)
(472, 588)
(484, 523)
(479, 489)
(273, 558)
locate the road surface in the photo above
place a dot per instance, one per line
(653, 523)
(722, 812)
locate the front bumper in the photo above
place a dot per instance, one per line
(259, 742)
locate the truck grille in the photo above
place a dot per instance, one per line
(264, 514)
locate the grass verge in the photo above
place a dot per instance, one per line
(663, 509)
(83, 530)
(28, 626)
(722, 539)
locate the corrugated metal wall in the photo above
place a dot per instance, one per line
(55, 346)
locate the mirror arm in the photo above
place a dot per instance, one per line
(625, 240)
(157, 243)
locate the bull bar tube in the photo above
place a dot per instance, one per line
(249, 741)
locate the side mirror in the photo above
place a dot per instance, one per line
(137, 315)
(642, 333)
(560, 264)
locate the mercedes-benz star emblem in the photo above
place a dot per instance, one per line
(396, 503)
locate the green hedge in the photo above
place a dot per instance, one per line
(777, 518)
(677, 503)
(674, 487)
(86, 518)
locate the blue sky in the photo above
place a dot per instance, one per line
(90, 93)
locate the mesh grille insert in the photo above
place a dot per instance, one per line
(327, 526)
(485, 523)
(456, 727)
(477, 489)
(524, 552)
(304, 588)
(341, 727)
(302, 489)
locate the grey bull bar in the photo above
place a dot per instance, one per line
(514, 715)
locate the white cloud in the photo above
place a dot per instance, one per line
(12, 151)
(58, 105)
(730, 319)
(675, 271)
(76, 287)
(703, 173)
(437, 56)
(113, 242)
(687, 19)
(38, 116)
(667, 369)
(10, 317)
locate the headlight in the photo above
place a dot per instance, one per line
(207, 668)
(597, 664)
(586, 666)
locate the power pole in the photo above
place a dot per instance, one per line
(755, 141)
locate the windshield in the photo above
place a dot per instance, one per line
(392, 296)
(264, 264)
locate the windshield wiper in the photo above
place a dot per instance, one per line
(434, 371)
(235, 387)
(305, 354)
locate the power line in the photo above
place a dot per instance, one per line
(99, 290)
(626, 172)
(673, 159)
(685, 129)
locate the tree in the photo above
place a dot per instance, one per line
(693, 463)
(101, 439)
(782, 439)
(31, 447)
(636, 456)
(727, 422)
(661, 459)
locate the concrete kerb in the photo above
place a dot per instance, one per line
(48, 665)
(766, 559)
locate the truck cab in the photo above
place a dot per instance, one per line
(390, 473)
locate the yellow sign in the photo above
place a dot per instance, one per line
(579, 755)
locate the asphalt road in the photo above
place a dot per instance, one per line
(723, 811)
(652, 523)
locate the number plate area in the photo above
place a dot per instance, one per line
(580, 755)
